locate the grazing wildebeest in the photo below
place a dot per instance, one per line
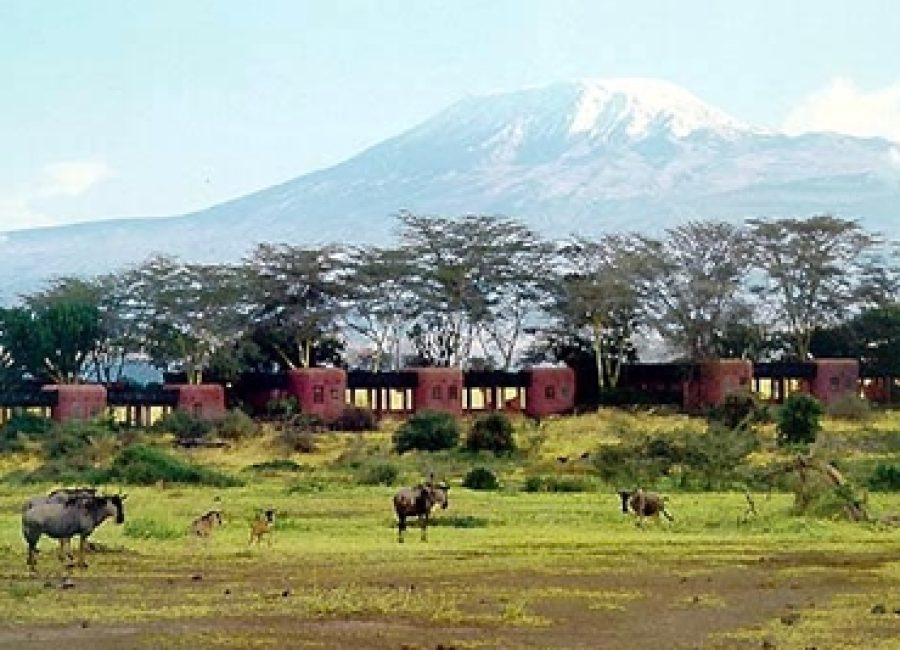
(63, 518)
(61, 495)
(203, 525)
(262, 525)
(418, 502)
(644, 504)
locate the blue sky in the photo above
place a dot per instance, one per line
(112, 109)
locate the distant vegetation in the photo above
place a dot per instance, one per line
(482, 292)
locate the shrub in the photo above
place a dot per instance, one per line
(283, 407)
(297, 434)
(850, 407)
(481, 478)
(885, 477)
(739, 409)
(380, 474)
(427, 431)
(183, 426)
(557, 484)
(491, 432)
(236, 425)
(27, 424)
(20, 426)
(356, 418)
(798, 419)
(143, 465)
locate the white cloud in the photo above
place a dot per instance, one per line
(20, 207)
(73, 178)
(842, 107)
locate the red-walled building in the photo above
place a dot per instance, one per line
(713, 380)
(77, 401)
(550, 391)
(835, 379)
(438, 389)
(319, 391)
(205, 401)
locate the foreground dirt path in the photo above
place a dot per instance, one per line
(635, 606)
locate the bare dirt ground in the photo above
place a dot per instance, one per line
(695, 604)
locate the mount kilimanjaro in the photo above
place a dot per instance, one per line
(581, 157)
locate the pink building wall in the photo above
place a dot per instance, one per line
(439, 389)
(77, 401)
(206, 401)
(716, 379)
(550, 391)
(319, 391)
(835, 379)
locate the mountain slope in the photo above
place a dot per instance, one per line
(585, 156)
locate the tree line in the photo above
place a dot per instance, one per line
(477, 292)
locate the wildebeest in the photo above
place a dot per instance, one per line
(60, 495)
(63, 516)
(644, 504)
(204, 525)
(262, 525)
(418, 502)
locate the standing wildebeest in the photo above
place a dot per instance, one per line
(61, 495)
(62, 519)
(644, 504)
(418, 502)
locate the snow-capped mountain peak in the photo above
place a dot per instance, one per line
(639, 108)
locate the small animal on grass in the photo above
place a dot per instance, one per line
(204, 525)
(64, 516)
(644, 504)
(417, 502)
(262, 525)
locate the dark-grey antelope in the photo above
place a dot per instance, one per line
(64, 518)
(60, 495)
(418, 502)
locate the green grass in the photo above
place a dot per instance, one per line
(521, 568)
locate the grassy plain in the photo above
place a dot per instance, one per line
(504, 569)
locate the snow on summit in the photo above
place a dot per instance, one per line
(641, 107)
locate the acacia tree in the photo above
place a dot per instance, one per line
(448, 301)
(515, 283)
(599, 297)
(378, 299)
(693, 285)
(293, 295)
(814, 269)
(184, 313)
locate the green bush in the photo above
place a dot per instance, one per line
(481, 478)
(739, 409)
(885, 477)
(491, 432)
(798, 419)
(557, 484)
(356, 418)
(143, 465)
(283, 407)
(427, 431)
(27, 424)
(379, 474)
(236, 425)
(183, 426)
